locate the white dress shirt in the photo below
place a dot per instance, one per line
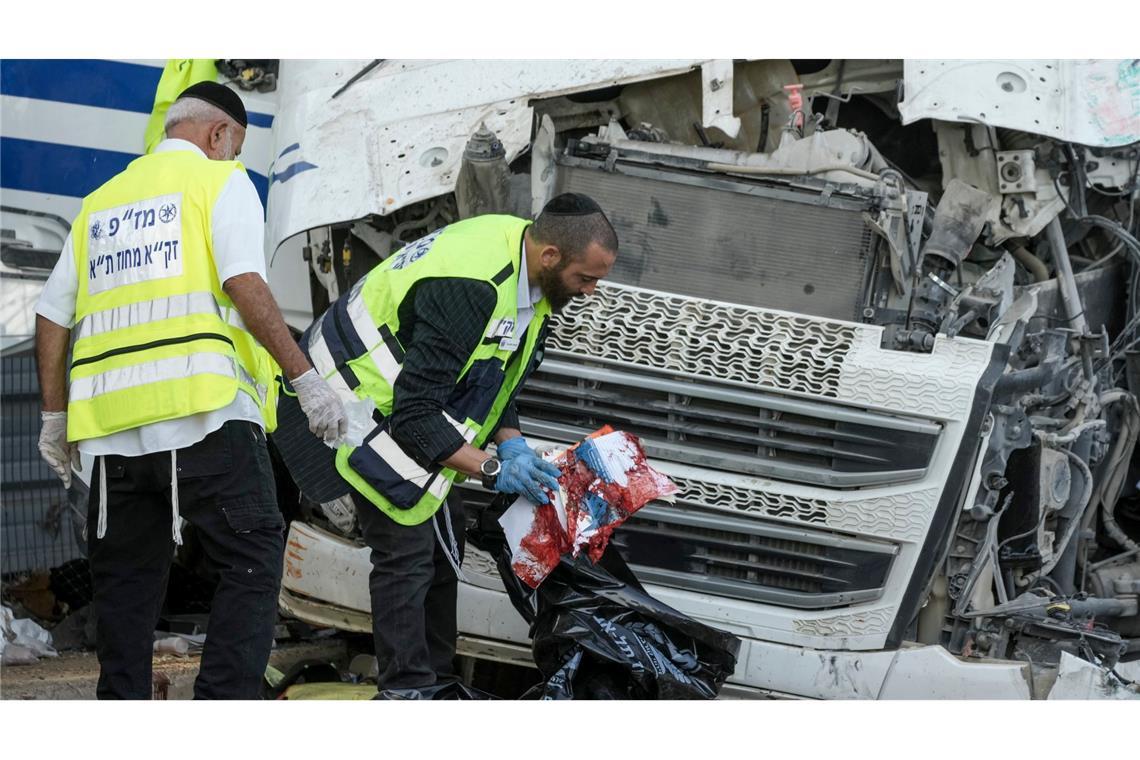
(237, 233)
(528, 296)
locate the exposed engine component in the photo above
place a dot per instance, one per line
(958, 221)
(483, 186)
(259, 75)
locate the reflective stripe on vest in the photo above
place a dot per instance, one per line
(152, 372)
(154, 310)
(390, 455)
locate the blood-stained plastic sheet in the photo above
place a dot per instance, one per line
(604, 480)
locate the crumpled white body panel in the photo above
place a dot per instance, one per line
(396, 136)
(1091, 102)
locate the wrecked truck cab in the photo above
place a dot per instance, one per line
(880, 336)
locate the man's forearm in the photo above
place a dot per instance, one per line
(259, 311)
(505, 434)
(466, 460)
(52, 341)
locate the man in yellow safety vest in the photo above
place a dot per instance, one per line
(171, 386)
(440, 337)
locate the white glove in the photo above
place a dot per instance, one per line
(56, 450)
(321, 405)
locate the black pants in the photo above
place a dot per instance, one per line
(226, 491)
(413, 590)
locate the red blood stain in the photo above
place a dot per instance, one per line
(543, 546)
(548, 539)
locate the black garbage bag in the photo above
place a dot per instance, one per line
(597, 634)
(438, 692)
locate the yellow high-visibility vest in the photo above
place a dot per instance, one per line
(354, 347)
(156, 336)
(178, 74)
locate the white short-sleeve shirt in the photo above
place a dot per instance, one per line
(528, 296)
(238, 238)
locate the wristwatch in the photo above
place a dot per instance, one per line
(489, 469)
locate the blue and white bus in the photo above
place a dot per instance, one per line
(66, 127)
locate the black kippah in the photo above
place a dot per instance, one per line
(218, 95)
(572, 204)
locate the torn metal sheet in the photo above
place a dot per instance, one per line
(1091, 102)
(716, 97)
(1078, 679)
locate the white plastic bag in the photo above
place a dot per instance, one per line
(25, 634)
(360, 424)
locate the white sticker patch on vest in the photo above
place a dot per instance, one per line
(413, 252)
(504, 328)
(134, 243)
(504, 331)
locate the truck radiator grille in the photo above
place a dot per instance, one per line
(747, 241)
(717, 341)
(752, 559)
(727, 428)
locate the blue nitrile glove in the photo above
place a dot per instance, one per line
(525, 474)
(514, 447)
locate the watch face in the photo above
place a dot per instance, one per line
(489, 468)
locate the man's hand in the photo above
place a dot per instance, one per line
(327, 419)
(515, 447)
(525, 472)
(56, 450)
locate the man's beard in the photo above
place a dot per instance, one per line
(554, 290)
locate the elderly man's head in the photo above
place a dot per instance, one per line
(212, 117)
(577, 245)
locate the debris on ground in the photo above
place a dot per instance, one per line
(23, 641)
(33, 592)
(180, 644)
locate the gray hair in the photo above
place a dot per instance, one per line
(193, 109)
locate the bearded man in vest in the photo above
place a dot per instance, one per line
(440, 337)
(171, 386)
